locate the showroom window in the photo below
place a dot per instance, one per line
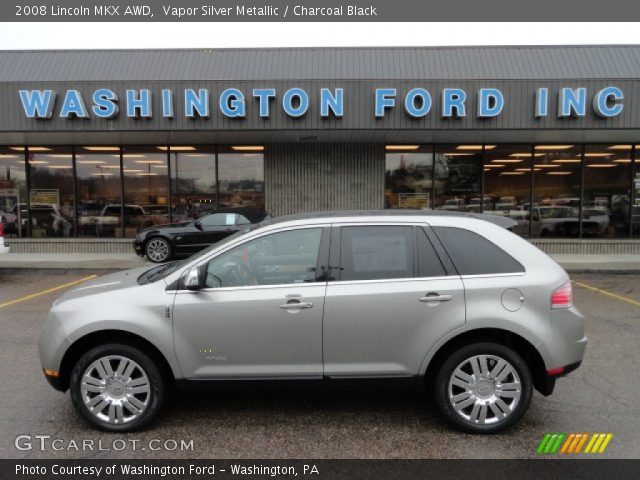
(193, 181)
(51, 194)
(556, 190)
(13, 191)
(607, 190)
(98, 186)
(458, 177)
(507, 184)
(146, 188)
(408, 176)
(241, 176)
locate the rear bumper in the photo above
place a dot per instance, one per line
(138, 247)
(547, 387)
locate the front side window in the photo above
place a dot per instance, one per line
(376, 252)
(473, 254)
(279, 258)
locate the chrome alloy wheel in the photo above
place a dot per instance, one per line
(115, 389)
(157, 250)
(484, 389)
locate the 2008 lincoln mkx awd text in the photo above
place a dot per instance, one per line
(450, 302)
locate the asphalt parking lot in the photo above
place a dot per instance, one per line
(602, 396)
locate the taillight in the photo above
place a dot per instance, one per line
(1, 232)
(562, 297)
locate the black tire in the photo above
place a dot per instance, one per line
(156, 381)
(153, 250)
(457, 358)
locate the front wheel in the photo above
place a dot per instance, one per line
(484, 388)
(117, 387)
(158, 250)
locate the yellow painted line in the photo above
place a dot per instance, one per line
(594, 437)
(610, 294)
(44, 292)
(605, 443)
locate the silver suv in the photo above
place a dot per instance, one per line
(441, 301)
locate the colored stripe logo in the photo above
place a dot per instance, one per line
(573, 443)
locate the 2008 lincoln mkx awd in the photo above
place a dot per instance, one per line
(453, 303)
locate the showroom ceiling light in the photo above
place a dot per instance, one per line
(103, 174)
(157, 162)
(553, 147)
(526, 154)
(248, 148)
(597, 154)
(511, 173)
(601, 165)
(546, 165)
(567, 160)
(402, 147)
(177, 148)
(31, 149)
(495, 165)
(91, 162)
(620, 147)
(37, 162)
(61, 167)
(101, 148)
(559, 173)
(475, 147)
(622, 160)
(508, 160)
(457, 154)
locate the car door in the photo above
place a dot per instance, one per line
(260, 315)
(392, 299)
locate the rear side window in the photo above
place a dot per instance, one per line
(472, 254)
(376, 252)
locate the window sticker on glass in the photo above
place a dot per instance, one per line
(230, 219)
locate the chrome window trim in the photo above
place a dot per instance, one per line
(392, 280)
(489, 275)
(253, 287)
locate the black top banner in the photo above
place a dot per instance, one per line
(315, 11)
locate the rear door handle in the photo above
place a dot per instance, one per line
(434, 297)
(296, 305)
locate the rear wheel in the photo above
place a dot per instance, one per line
(158, 250)
(484, 388)
(117, 387)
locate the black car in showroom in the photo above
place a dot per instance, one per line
(162, 243)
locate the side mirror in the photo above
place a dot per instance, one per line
(193, 279)
(198, 224)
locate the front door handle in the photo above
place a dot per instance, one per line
(296, 305)
(435, 297)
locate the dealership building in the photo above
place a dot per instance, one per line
(97, 144)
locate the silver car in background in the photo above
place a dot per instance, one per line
(441, 301)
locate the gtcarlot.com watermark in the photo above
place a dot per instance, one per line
(49, 443)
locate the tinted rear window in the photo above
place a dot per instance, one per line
(473, 254)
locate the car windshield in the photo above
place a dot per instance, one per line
(163, 271)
